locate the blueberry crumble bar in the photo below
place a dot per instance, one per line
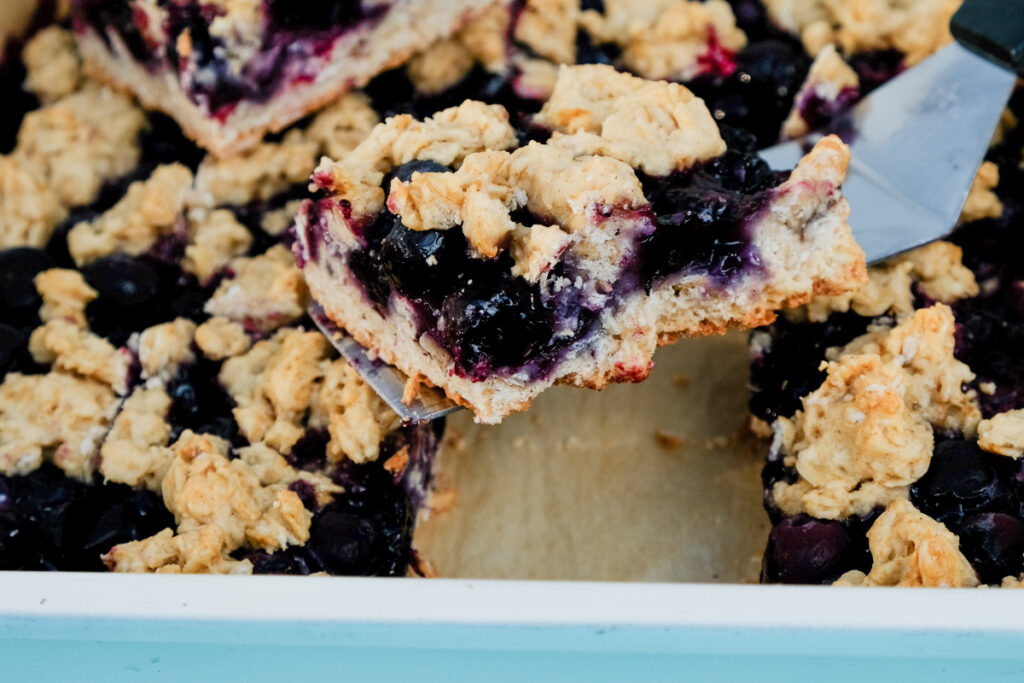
(165, 403)
(229, 71)
(493, 267)
(896, 414)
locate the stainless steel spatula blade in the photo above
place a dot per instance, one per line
(916, 145)
(387, 381)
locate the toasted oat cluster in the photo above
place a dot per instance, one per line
(493, 268)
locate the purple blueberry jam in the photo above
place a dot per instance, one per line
(292, 34)
(818, 112)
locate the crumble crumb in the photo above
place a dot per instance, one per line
(340, 126)
(981, 201)
(535, 78)
(397, 463)
(53, 65)
(273, 385)
(275, 222)
(259, 173)
(203, 551)
(863, 437)
(215, 237)
(355, 415)
(164, 348)
(133, 452)
(72, 349)
(917, 28)
(272, 469)
(202, 487)
(936, 268)
(446, 138)
(656, 126)
(828, 77)
(65, 295)
(29, 209)
(1003, 434)
(548, 27)
(909, 548)
(536, 249)
(80, 142)
(665, 40)
(149, 210)
(220, 338)
(266, 292)
(52, 411)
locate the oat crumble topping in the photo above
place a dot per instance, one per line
(53, 65)
(447, 62)
(1003, 434)
(912, 549)
(65, 295)
(215, 237)
(220, 338)
(259, 173)
(149, 210)
(134, 451)
(164, 348)
(29, 209)
(265, 293)
(203, 551)
(981, 201)
(549, 28)
(355, 416)
(72, 349)
(340, 127)
(57, 415)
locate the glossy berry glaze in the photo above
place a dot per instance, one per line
(493, 323)
(292, 34)
(978, 495)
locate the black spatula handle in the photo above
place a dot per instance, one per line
(993, 29)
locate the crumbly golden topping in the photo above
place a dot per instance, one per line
(271, 469)
(655, 126)
(220, 338)
(57, 414)
(266, 292)
(149, 210)
(52, 63)
(549, 28)
(909, 548)
(355, 416)
(65, 295)
(203, 551)
(274, 384)
(863, 437)
(275, 222)
(215, 237)
(828, 77)
(29, 209)
(667, 45)
(134, 451)
(164, 348)
(447, 138)
(936, 268)
(536, 77)
(1003, 434)
(285, 380)
(72, 349)
(917, 28)
(202, 487)
(483, 40)
(536, 249)
(259, 173)
(981, 201)
(340, 127)
(80, 142)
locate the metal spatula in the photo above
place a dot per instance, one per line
(918, 140)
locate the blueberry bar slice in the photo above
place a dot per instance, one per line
(228, 72)
(493, 263)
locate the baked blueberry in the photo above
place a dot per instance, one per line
(802, 549)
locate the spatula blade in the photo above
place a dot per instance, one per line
(916, 143)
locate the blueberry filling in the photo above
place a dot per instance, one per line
(818, 112)
(293, 32)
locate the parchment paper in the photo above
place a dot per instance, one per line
(581, 487)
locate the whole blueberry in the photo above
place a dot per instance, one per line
(123, 280)
(12, 343)
(421, 261)
(18, 542)
(18, 296)
(344, 542)
(960, 480)
(994, 544)
(802, 549)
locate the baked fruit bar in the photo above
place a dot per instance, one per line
(229, 72)
(493, 266)
(165, 403)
